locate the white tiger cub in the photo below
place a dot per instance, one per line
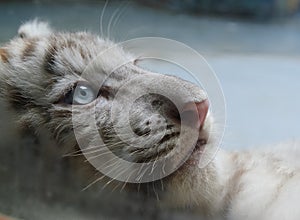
(38, 72)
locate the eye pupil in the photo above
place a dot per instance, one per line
(83, 93)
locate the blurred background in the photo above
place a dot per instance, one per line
(253, 47)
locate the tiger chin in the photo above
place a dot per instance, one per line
(42, 81)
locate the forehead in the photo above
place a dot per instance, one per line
(84, 55)
(72, 53)
(39, 63)
(61, 54)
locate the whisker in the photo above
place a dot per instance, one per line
(101, 18)
(99, 179)
(127, 180)
(96, 156)
(113, 164)
(153, 166)
(95, 147)
(80, 151)
(107, 163)
(92, 183)
(162, 185)
(116, 22)
(115, 187)
(155, 192)
(163, 167)
(142, 174)
(83, 153)
(111, 20)
(121, 172)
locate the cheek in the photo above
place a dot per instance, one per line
(102, 114)
(62, 131)
(102, 104)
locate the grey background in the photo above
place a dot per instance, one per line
(257, 63)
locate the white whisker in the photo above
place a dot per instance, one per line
(101, 18)
(155, 192)
(111, 20)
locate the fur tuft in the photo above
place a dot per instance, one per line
(34, 28)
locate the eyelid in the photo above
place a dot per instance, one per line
(82, 83)
(88, 84)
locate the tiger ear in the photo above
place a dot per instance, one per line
(3, 55)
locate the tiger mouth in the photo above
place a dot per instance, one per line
(196, 154)
(160, 153)
(198, 149)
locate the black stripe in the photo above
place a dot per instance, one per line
(17, 100)
(49, 64)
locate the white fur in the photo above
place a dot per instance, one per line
(270, 185)
(260, 184)
(34, 28)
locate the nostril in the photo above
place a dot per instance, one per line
(173, 113)
(194, 113)
(156, 103)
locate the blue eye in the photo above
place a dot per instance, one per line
(81, 94)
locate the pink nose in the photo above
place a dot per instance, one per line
(194, 114)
